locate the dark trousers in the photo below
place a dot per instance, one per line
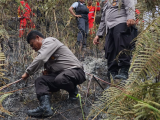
(66, 80)
(118, 39)
(83, 30)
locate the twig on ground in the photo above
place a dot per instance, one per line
(10, 84)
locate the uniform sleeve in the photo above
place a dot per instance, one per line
(48, 48)
(130, 9)
(74, 5)
(102, 26)
(98, 7)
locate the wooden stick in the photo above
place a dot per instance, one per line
(88, 88)
(105, 81)
(10, 84)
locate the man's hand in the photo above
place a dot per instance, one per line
(96, 40)
(25, 76)
(78, 16)
(130, 22)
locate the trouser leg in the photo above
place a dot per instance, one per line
(110, 55)
(116, 41)
(66, 80)
(123, 46)
(86, 33)
(122, 37)
(45, 84)
(110, 52)
(90, 23)
(30, 24)
(81, 26)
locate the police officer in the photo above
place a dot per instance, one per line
(62, 71)
(117, 20)
(82, 20)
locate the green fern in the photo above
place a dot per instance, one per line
(2, 98)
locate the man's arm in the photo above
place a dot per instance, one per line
(102, 26)
(130, 11)
(48, 48)
(101, 29)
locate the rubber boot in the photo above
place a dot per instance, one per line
(44, 110)
(123, 74)
(73, 94)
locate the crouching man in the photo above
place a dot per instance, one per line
(62, 71)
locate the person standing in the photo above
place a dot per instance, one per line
(118, 20)
(82, 20)
(24, 14)
(62, 70)
(91, 15)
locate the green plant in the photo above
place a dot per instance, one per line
(2, 98)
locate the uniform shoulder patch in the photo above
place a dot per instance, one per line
(114, 3)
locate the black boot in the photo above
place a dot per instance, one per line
(73, 94)
(44, 110)
(123, 74)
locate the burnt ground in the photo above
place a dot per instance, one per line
(22, 100)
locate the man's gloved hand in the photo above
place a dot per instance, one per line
(130, 22)
(25, 76)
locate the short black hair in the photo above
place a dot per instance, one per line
(33, 34)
